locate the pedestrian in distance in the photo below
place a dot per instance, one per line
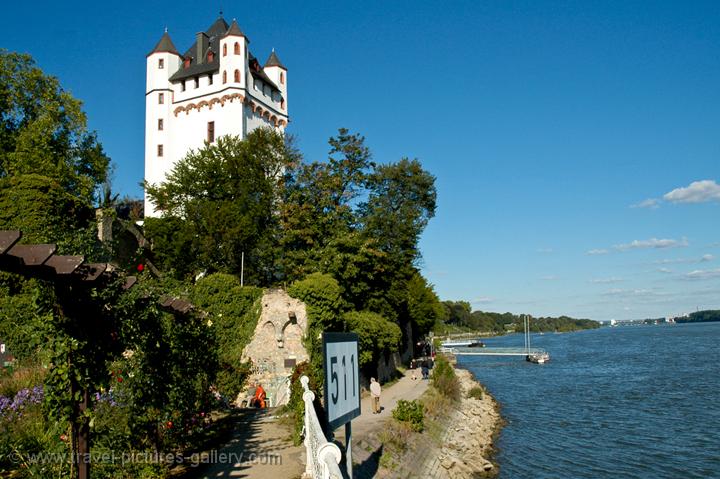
(375, 391)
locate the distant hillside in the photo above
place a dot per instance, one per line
(459, 314)
(701, 317)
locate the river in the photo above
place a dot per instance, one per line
(624, 402)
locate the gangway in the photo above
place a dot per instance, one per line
(535, 355)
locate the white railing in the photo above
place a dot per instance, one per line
(323, 457)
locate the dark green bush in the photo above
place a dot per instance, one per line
(376, 335)
(410, 412)
(476, 392)
(233, 313)
(444, 379)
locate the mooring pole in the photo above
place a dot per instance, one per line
(242, 269)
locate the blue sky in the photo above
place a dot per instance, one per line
(568, 138)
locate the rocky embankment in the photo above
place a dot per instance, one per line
(467, 449)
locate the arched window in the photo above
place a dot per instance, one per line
(225, 50)
(224, 77)
(237, 48)
(237, 76)
(210, 57)
(186, 63)
(282, 78)
(282, 103)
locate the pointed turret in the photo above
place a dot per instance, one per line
(165, 45)
(274, 61)
(234, 30)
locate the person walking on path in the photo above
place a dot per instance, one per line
(375, 393)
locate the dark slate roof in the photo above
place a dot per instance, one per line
(164, 45)
(274, 61)
(257, 72)
(234, 29)
(216, 31)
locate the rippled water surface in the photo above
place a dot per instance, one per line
(627, 402)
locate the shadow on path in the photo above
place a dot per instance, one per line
(259, 447)
(369, 467)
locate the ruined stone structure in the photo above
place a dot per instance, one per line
(277, 346)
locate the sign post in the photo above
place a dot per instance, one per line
(342, 385)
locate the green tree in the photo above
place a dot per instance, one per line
(44, 130)
(401, 202)
(220, 201)
(321, 202)
(424, 307)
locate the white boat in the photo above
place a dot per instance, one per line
(537, 356)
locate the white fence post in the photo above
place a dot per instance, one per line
(323, 457)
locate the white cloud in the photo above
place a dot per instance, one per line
(606, 280)
(703, 274)
(634, 293)
(697, 192)
(652, 243)
(596, 252)
(703, 259)
(664, 270)
(549, 278)
(652, 203)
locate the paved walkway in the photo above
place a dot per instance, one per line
(261, 448)
(366, 448)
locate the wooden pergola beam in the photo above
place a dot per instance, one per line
(8, 239)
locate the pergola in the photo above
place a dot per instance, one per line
(73, 279)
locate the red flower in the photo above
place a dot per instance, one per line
(140, 267)
(169, 424)
(119, 379)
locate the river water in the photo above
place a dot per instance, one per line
(624, 402)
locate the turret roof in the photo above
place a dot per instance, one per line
(165, 45)
(234, 29)
(274, 61)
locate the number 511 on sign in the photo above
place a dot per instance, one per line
(342, 377)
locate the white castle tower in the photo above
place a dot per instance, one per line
(216, 88)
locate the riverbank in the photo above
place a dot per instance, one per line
(468, 448)
(457, 440)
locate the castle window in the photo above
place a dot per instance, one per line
(186, 63)
(161, 98)
(282, 103)
(237, 76)
(160, 150)
(211, 132)
(161, 63)
(161, 124)
(197, 82)
(225, 50)
(224, 77)
(237, 48)
(182, 86)
(210, 57)
(282, 78)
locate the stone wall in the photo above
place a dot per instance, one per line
(277, 346)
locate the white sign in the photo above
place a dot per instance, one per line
(342, 377)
